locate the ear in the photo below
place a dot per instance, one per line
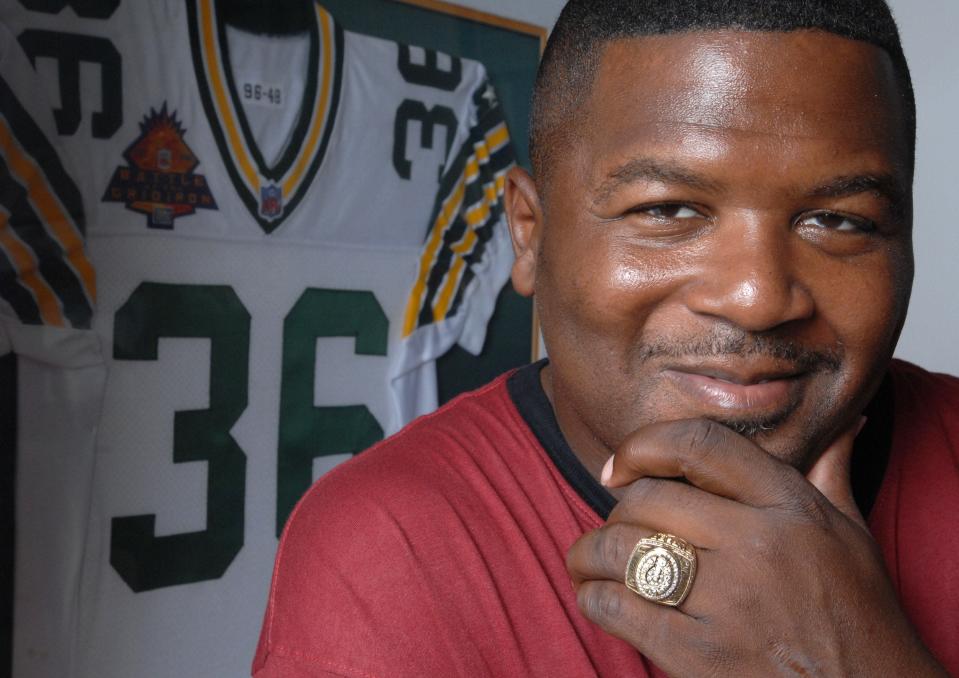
(525, 225)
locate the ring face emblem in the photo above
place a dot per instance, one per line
(661, 569)
(658, 574)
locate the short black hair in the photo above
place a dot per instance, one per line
(584, 27)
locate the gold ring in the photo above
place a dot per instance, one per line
(661, 569)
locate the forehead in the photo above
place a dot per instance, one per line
(706, 90)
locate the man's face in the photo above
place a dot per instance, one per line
(726, 236)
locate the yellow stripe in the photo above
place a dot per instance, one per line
(320, 111)
(481, 151)
(498, 136)
(211, 57)
(445, 299)
(472, 169)
(474, 218)
(26, 264)
(49, 208)
(443, 220)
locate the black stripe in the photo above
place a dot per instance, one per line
(483, 235)
(501, 159)
(31, 138)
(473, 194)
(448, 183)
(15, 294)
(441, 267)
(526, 392)
(8, 506)
(28, 226)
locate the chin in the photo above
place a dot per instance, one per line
(773, 434)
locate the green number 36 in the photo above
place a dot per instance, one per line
(146, 561)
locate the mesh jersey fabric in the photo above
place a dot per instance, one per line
(265, 310)
(441, 550)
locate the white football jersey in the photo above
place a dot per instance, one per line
(287, 232)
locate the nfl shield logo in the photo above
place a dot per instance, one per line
(271, 202)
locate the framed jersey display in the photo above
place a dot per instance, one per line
(294, 245)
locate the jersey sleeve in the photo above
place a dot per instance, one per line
(467, 255)
(47, 284)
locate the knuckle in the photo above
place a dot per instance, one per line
(615, 545)
(645, 490)
(716, 653)
(700, 438)
(601, 603)
(807, 507)
(769, 541)
(816, 513)
(719, 660)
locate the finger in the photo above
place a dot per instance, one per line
(664, 635)
(710, 456)
(603, 554)
(830, 474)
(704, 519)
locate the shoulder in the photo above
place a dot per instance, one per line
(384, 533)
(442, 463)
(426, 452)
(926, 420)
(914, 384)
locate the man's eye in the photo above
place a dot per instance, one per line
(670, 212)
(838, 222)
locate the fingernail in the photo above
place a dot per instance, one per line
(862, 423)
(607, 472)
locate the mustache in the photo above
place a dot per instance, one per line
(735, 342)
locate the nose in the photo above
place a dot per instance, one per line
(750, 278)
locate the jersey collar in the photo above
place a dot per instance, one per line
(269, 193)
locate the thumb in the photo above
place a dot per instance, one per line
(830, 474)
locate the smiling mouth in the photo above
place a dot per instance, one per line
(725, 393)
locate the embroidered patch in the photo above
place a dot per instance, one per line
(160, 181)
(271, 201)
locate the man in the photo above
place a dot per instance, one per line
(717, 233)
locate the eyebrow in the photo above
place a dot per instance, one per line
(649, 170)
(885, 185)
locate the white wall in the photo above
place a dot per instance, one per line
(928, 30)
(931, 336)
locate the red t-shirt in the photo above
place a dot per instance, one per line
(440, 552)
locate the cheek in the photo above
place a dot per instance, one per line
(607, 288)
(864, 303)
